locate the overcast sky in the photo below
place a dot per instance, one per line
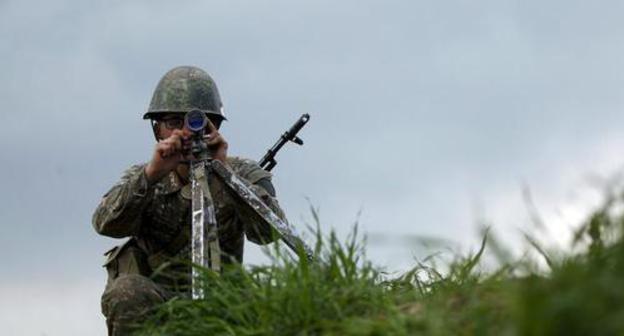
(426, 116)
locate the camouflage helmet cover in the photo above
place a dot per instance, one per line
(183, 89)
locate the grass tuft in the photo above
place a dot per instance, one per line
(342, 293)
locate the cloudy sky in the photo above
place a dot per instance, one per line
(427, 116)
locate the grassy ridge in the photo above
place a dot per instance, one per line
(343, 294)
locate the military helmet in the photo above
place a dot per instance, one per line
(185, 88)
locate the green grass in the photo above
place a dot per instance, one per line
(580, 293)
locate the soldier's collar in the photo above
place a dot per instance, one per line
(170, 183)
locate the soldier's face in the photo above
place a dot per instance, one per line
(170, 122)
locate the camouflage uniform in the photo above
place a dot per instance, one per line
(157, 218)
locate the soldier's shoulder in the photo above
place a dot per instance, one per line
(247, 168)
(136, 168)
(131, 171)
(239, 161)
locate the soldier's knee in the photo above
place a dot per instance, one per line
(130, 295)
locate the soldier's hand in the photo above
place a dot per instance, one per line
(216, 143)
(168, 153)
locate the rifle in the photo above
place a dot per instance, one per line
(205, 249)
(268, 160)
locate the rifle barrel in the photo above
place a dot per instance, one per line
(268, 160)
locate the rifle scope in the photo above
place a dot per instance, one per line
(196, 121)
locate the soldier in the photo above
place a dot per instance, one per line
(151, 205)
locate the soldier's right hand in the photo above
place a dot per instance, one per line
(168, 153)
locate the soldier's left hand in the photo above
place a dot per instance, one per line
(216, 143)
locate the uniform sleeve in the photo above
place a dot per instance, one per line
(259, 232)
(119, 213)
(260, 181)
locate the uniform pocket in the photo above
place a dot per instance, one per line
(127, 258)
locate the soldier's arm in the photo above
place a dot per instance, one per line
(119, 213)
(259, 232)
(260, 181)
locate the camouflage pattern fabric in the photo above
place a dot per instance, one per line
(154, 216)
(128, 301)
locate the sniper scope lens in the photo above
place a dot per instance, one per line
(195, 120)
